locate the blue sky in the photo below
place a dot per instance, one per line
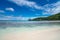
(25, 9)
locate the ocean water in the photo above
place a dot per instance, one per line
(29, 30)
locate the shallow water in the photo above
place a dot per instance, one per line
(29, 30)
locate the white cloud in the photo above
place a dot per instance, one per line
(52, 8)
(2, 11)
(9, 9)
(56, 8)
(13, 18)
(48, 8)
(26, 3)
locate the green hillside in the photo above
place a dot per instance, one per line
(52, 17)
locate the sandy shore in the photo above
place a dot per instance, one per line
(47, 34)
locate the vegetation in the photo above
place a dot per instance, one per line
(52, 17)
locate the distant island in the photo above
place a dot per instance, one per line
(49, 18)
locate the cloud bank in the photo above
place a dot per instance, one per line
(52, 8)
(48, 8)
(26, 3)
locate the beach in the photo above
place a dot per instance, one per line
(31, 34)
(30, 30)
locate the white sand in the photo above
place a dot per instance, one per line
(47, 34)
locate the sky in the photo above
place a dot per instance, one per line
(28, 9)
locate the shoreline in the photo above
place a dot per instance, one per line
(47, 34)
